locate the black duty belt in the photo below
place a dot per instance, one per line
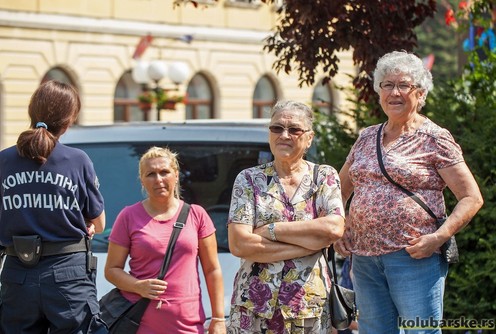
(56, 248)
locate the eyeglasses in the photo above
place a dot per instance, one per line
(292, 131)
(403, 87)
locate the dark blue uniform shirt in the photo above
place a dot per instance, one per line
(51, 200)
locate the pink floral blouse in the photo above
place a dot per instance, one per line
(382, 218)
(297, 287)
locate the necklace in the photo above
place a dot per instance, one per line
(291, 181)
(390, 134)
(160, 212)
(293, 172)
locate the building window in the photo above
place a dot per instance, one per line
(196, 2)
(126, 106)
(199, 101)
(243, 3)
(58, 74)
(264, 98)
(322, 98)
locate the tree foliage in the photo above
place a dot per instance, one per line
(335, 135)
(435, 37)
(311, 33)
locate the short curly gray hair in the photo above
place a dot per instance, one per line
(288, 105)
(402, 62)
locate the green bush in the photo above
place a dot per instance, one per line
(336, 135)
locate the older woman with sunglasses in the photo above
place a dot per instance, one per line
(398, 271)
(282, 214)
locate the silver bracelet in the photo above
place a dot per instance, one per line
(218, 319)
(272, 232)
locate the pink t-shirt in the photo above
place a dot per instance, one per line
(147, 241)
(383, 218)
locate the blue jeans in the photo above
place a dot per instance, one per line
(392, 290)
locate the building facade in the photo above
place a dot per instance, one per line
(93, 45)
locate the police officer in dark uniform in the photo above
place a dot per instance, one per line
(50, 207)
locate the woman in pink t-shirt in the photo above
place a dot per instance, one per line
(142, 232)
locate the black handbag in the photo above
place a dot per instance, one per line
(122, 316)
(341, 300)
(449, 249)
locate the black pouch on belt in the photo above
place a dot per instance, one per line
(28, 249)
(91, 260)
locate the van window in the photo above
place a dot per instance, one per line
(207, 174)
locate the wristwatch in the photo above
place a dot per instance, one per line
(272, 232)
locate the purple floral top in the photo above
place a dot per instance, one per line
(382, 218)
(297, 287)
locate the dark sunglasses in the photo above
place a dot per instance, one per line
(292, 131)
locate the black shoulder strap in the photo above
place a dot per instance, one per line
(315, 176)
(332, 269)
(330, 266)
(383, 169)
(315, 172)
(178, 226)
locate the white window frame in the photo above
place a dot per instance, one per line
(243, 3)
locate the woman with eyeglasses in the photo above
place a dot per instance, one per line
(398, 272)
(282, 214)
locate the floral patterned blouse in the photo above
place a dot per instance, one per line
(298, 286)
(382, 218)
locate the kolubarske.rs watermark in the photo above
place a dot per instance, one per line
(453, 324)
